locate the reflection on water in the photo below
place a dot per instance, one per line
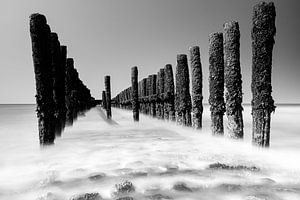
(161, 160)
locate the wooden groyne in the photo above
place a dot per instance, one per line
(172, 99)
(60, 94)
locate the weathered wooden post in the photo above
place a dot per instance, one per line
(103, 100)
(144, 94)
(160, 93)
(233, 80)
(63, 64)
(68, 87)
(263, 32)
(58, 72)
(148, 86)
(216, 82)
(197, 97)
(134, 93)
(40, 38)
(108, 96)
(183, 102)
(152, 96)
(169, 109)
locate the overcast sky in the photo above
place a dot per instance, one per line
(108, 37)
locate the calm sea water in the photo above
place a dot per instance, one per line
(95, 154)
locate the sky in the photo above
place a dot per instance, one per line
(108, 37)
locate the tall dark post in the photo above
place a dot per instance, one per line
(58, 72)
(263, 32)
(63, 64)
(69, 88)
(108, 96)
(40, 38)
(183, 102)
(160, 93)
(104, 100)
(152, 96)
(169, 109)
(197, 97)
(233, 79)
(216, 82)
(134, 93)
(148, 86)
(144, 94)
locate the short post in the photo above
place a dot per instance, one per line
(216, 83)
(40, 38)
(134, 93)
(183, 102)
(233, 80)
(103, 100)
(58, 72)
(63, 64)
(160, 93)
(169, 109)
(197, 97)
(263, 32)
(108, 96)
(152, 96)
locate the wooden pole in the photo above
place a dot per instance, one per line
(169, 94)
(216, 83)
(108, 96)
(183, 102)
(197, 97)
(40, 38)
(233, 80)
(134, 93)
(263, 32)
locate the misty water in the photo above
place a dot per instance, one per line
(162, 160)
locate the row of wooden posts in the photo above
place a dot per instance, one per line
(158, 96)
(60, 94)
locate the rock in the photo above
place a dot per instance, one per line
(230, 167)
(125, 198)
(182, 187)
(158, 197)
(124, 188)
(87, 196)
(95, 177)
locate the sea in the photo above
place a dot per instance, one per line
(161, 159)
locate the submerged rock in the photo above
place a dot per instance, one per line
(182, 187)
(87, 196)
(230, 167)
(96, 177)
(124, 188)
(158, 197)
(125, 198)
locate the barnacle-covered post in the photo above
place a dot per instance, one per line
(144, 94)
(108, 96)
(63, 64)
(169, 109)
(58, 72)
(148, 86)
(134, 93)
(197, 97)
(216, 83)
(183, 102)
(40, 38)
(152, 96)
(103, 100)
(160, 93)
(233, 79)
(263, 32)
